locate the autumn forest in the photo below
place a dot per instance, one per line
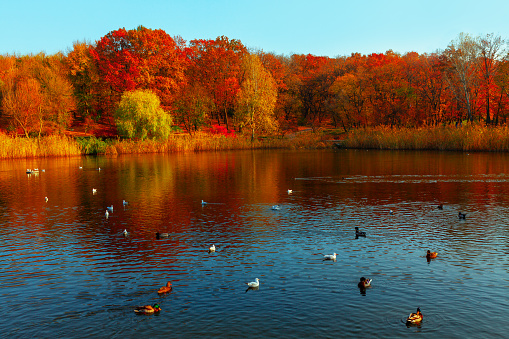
(191, 86)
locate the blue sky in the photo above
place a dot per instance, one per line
(320, 27)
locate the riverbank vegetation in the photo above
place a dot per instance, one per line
(157, 93)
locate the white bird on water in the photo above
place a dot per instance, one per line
(124, 202)
(275, 207)
(254, 284)
(203, 202)
(329, 257)
(46, 199)
(106, 214)
(212, 248)
(290, 191)
(125, 233)
(94, 190)
(110, 208)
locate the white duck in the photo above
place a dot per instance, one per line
(276, 207)
(212, 248)
(94, 190)
(125, 233)
(290, 191)
(125, 203)
(110, 208)
(329, 257)
(254, 284)
(106, 214)
(203, 202)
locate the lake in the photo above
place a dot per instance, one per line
(68, 271)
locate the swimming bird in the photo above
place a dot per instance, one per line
(329, 257)
(81, 167)
(359, 233)
(415, 318)
(212, 248)
(125, 233)
(440, 207)
(147, 309)
(290, 191)
(46, 199)
(364, 282)
(99, 169)
(125, 203)
(165, 289)
(431, 255)
(462, 215)
(106, 214)
(94, 190)
(203, 202)
(110, 208)
(254, 284)
(391, 212)
(162, 235)
(29, 171)
(275, 207)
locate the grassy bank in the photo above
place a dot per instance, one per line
(57, 146)
(466, 138)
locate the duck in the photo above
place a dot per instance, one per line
(29, 171)
(275, 207)
(359, 233)
(431, 255)
(462, 215)
(203, 202)
(364, 282)
(440, 207)
(254, 284)
(125, 203)
(106, 214)
(110, 208)
(147, 309)
(165, 289)
(162, 235)
(94, 190)
(46, 199)
(290, 191)
(415, 318)
(125, 233)
(212, 248)
(329, 257)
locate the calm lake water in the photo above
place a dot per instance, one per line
(67, 271)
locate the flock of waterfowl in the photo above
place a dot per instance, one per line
(412, 319)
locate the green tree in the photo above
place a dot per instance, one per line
(257, 97)
(139, 115)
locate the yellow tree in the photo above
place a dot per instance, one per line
(257, 97)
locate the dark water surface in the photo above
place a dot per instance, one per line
(67, 271)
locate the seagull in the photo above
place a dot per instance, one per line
(125, 233)
(94, 190)
(290, 191)
(275, 207)
(46, 199)
(203, 202)
(329, 257)
(124, 202)
(212, 248)
(254, 284)
(106, 214)
(110, 208)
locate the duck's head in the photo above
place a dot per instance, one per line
(363, 279)
(156, 307)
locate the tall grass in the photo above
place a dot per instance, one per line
(50, 146)
(466, 138)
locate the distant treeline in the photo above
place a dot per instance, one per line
(204, 82)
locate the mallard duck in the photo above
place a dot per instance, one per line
(165, 289)
(212, 248)
(147, 309)
(431, 255)
(415, 318)
(254, 284)
(329, 257)
(359, 233)
(162, 235)
(364, 282)
(462, 215)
